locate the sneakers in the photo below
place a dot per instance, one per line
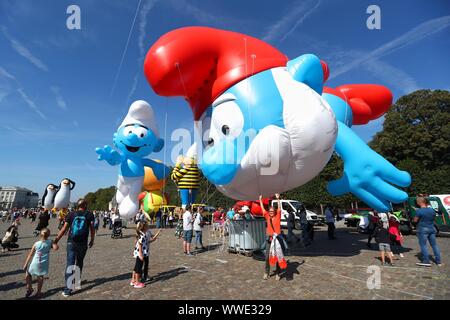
(440, 264)
(422, 264)
(144, 280)
(132, 283)
(189, 254)
(66, 293)
(139, 285)
(266, 276)
(29, 293)
(277, 277)
(401, 255)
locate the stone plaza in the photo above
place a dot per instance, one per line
(340, 269)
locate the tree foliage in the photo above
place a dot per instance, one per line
(416, 138)
(100, 199)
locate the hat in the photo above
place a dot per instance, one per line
(141, 113)
(367, 101)
(192, 152)
(201, 63)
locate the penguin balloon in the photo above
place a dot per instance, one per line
(62, 197)
(49, 196)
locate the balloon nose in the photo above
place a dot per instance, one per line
(132, 138)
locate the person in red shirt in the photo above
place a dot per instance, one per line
(395, 235)
(273, 219)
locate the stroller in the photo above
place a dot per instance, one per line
(117, 229)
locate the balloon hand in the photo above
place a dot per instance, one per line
(109, 155)
(371, 178)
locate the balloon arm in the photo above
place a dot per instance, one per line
(111, 156)
(367, 175)
(160, 170)
(308, 70)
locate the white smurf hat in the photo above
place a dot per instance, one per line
(192, 152)
(141, 113)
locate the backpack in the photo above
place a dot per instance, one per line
(79, 229)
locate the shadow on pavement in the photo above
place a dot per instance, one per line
(291, 270)
(88, 285)
(12, 273)
(166, 275)
(348, 243)
(12, 285)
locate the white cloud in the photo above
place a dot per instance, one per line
(23, 51)
(125, 49)
(414, 35)
(21, 92)
(196, 12)
(30, 103)
(287, 25)
(395, 77)
(6, 74)
(59, 98)
(141, 42)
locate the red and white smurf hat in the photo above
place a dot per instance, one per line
(201, 63)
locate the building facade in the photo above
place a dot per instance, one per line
(17, 197)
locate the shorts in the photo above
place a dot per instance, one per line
(188, 236)
(139, 265)
(384, 247)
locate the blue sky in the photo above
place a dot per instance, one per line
(63, 92)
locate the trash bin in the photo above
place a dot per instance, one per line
(247, 236)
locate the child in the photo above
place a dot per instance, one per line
(38, 267)
(144, 237)
(395, 235)
(382, 238)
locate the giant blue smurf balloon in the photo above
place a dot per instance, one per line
(267, 123)
(136, 138)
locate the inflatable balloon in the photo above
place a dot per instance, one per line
(48, 199)
(153, 197)
(266, 124)
(186, 176)
(62, 197)
(136, 138)
(254, 206)
(151, 182)
(151, 201)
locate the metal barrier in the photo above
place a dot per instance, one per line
(247, 236)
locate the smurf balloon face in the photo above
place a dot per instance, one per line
(267, 133)
(135, 140)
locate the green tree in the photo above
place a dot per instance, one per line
(416, 138)
(100, 199)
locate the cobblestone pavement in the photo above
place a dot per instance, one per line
(325, 270)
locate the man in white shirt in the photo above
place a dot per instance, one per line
(329, 219)
(187, 230)
(198, 225)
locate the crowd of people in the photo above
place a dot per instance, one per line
(81, 226)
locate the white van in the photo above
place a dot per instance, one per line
(293, 206)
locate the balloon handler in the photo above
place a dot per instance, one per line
(186, 176)
(136, 138)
